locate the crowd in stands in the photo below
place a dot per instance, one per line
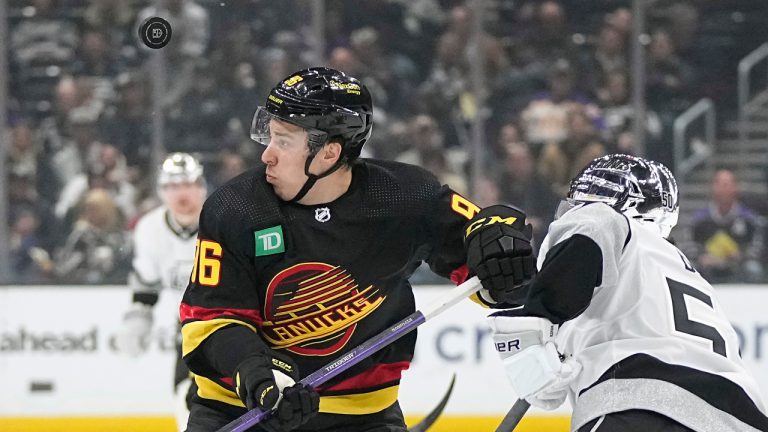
(557, 77)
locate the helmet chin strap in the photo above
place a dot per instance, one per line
(312, 178)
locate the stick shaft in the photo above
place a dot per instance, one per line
(366, 349)
(514, 416)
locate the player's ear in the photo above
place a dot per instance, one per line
(331, 152)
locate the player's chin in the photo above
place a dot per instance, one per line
(282, 193)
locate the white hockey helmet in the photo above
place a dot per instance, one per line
(639, 188)
(179, 168)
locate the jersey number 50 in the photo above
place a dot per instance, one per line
(684, 324)
(207, 269)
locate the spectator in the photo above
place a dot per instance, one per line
(344, 58)
(275, 64)
(70, 160)
(97, 64)
(683, 20)
(199, 121)
(426, 141)
(447, 93)
(23, 150)
(42, 43)
(669, 78)
(728, 235)
(244, 93)
(95, 58)
(435, 161)
(619, 114)
(97, 250)
(545, 119)
(394, 72)
(230, 165)
(54, 129)
(127, 123)
(116, 19)
(107, 171)
(547, 39)
(609, 54)
(522, 186)
(621, 19)
(488, 191)
(24, 243)
(454, 49)
(560, 162)
(425, 134)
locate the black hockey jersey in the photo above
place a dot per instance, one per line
(314, 281)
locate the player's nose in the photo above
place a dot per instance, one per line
(268, 156)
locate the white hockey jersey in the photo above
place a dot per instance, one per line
(164, 254)
(654, 336)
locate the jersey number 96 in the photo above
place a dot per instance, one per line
(207, 269)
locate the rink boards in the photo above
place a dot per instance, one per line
(60, 371)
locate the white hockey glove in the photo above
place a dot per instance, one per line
(133, 337)
(533, 366)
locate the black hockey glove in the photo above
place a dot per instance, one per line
(268, 379)
(498, 246)
(299, 404)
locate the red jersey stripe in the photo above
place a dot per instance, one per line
(374, 376)
(189, 312)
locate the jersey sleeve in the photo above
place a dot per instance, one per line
(446, 224)
(145, 279)
(581, 253)
(448, 221)
(220, 296)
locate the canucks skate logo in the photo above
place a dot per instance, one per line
(314, 308)
(322, 214)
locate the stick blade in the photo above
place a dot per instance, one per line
(431, 418)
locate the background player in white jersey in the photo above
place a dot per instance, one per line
(164, 244)
(618, 318)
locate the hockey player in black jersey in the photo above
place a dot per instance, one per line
(308, 255)
(618, 318)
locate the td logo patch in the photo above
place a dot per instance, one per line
(269, 241)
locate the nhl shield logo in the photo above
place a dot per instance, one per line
(322, 214)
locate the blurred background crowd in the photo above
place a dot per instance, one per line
(557, 75)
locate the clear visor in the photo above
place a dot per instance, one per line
(260, 126)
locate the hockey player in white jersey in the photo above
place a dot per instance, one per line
(164, 245)
(618, 318)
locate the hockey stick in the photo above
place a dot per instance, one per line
(514, 416)
(430, 419)
(365, 349)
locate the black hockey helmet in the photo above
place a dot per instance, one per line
(329, 104)
(640, 188)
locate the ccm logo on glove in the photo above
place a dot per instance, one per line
(485, 221)
(287, 368)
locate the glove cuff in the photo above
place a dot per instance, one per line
(139, 317)
(507, 324)
(533, 369)
(261, 377)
